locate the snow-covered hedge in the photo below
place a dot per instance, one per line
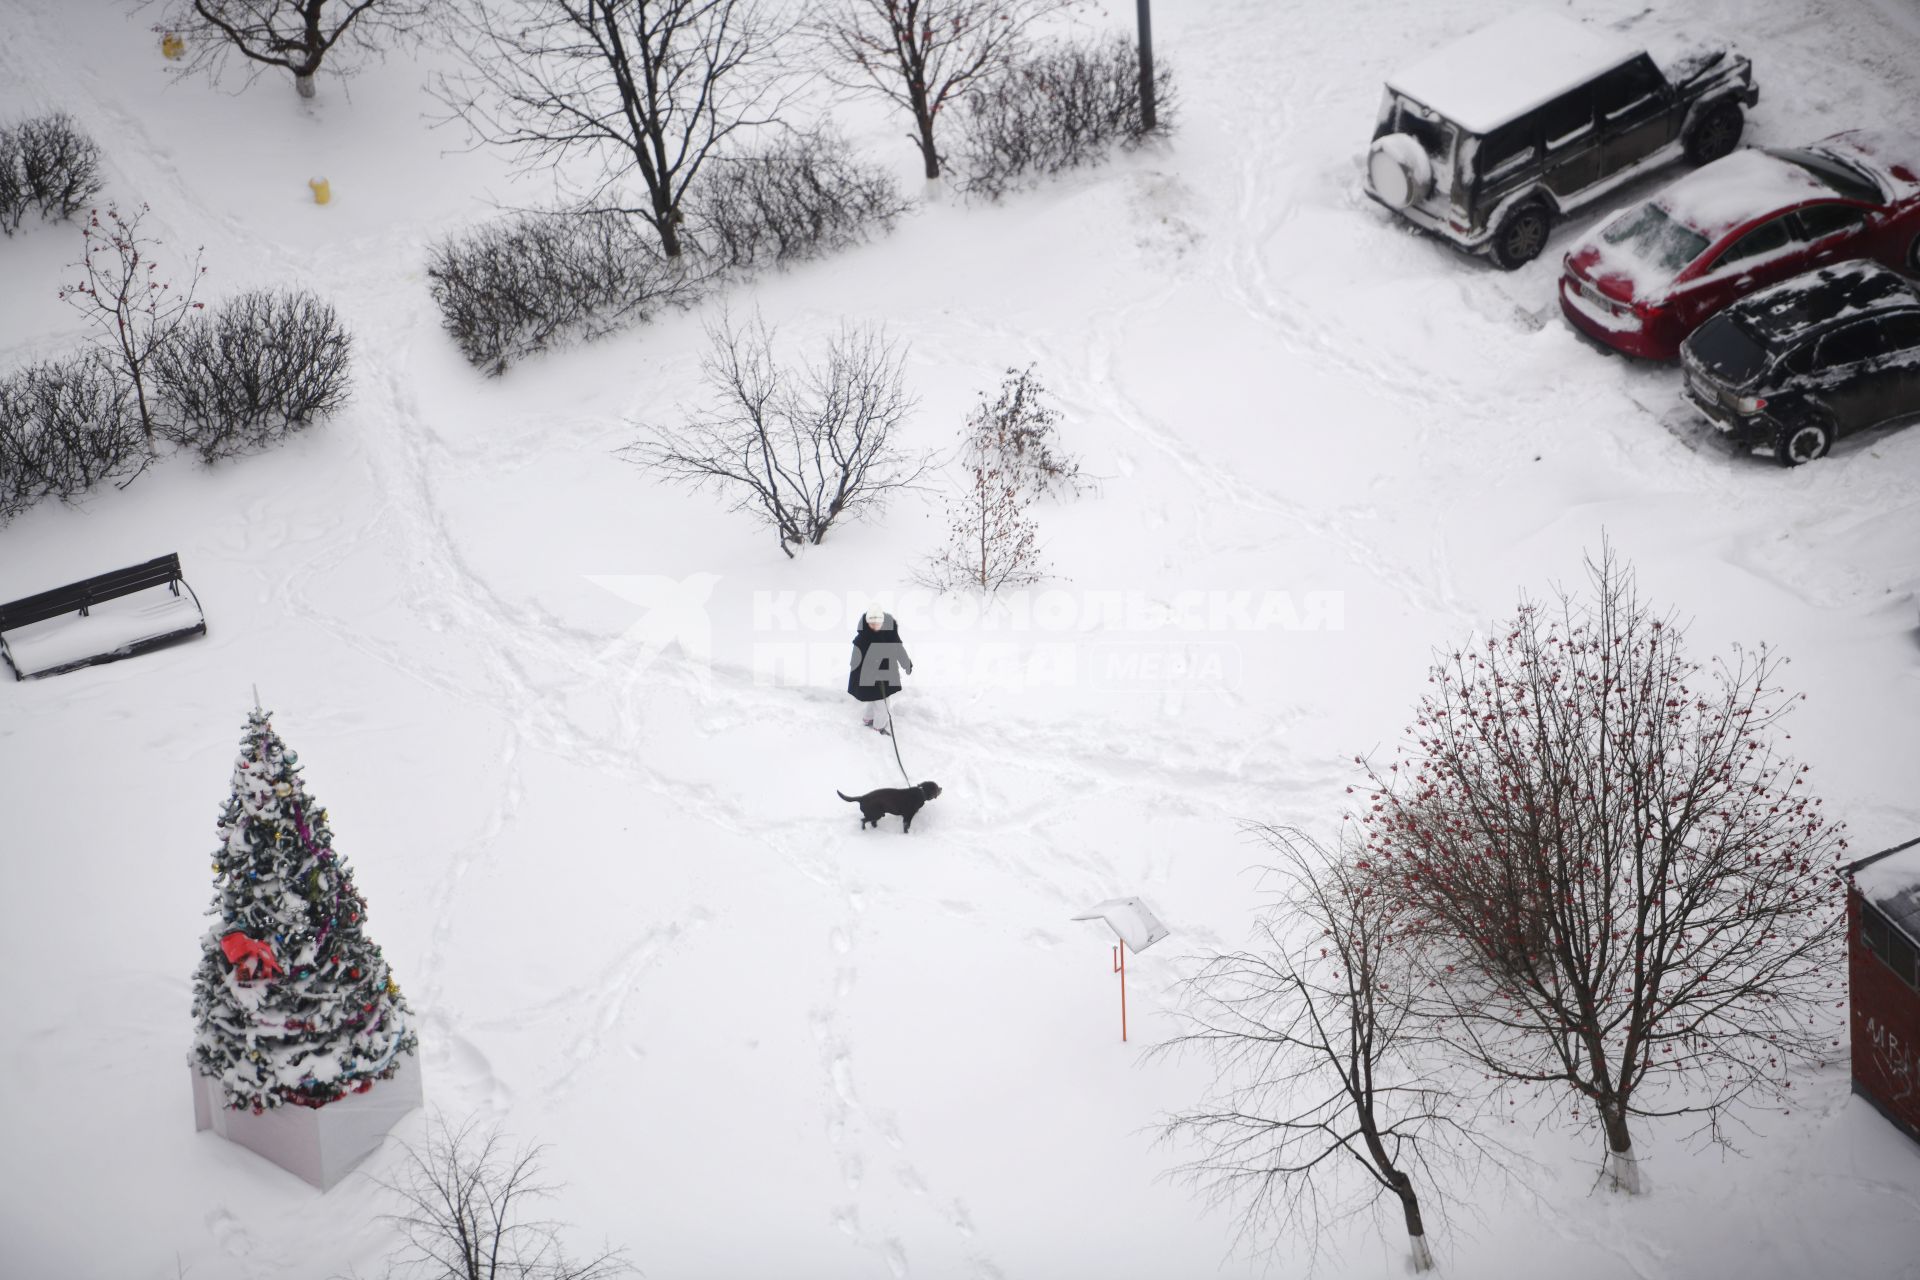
(805, 195)
(511, 288)
(266, 363)
(65, 426)
(1064, 106)
(48, 163)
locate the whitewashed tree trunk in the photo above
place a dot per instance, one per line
(1422, 1256)
(304, 85)
(1623, 1172)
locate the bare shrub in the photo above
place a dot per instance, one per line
(266, 363)
(804, 195)
(60, 165)
(65, 427)
(46, 162)
(463, 1195)
(13, 183)
(511, 288)
(799, 449)
(1625, 888)
(1064, 107)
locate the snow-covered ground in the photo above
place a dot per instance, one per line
(632, 919)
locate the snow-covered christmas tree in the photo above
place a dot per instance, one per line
(293, 1002)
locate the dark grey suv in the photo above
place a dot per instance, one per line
(1790, 370)
(1488, 140)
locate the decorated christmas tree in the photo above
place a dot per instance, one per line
(292, 1002)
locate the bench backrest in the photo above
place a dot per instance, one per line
(79, 596)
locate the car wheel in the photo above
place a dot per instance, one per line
(1803, 443)
(1913, 256)
(1716, 133)
(1520, 237)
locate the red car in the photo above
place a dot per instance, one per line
(1650, 276)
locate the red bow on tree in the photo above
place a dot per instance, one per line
(253, 958)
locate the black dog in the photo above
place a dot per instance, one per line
(905, 801)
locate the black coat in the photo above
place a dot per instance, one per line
(878, 660)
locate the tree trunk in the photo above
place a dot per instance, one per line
(923, 122)
(303, 83)
(1622, 1165)
(1416, 1230)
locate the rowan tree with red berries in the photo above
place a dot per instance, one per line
(1619, 881)
(122, 292)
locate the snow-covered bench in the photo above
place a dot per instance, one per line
(101, 619)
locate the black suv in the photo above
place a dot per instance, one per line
(1488, 140)
(1790, 370)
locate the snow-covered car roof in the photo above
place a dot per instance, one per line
(1792, 307)
(1716, 198)
(1508, 68)
(1891, 882)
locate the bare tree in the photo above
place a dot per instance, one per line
(923, 54)
(462, 1195)
(992, 542)
(294, 35)
(1322, 1066)
(800, 449)
(1629, 881)
(121, 292)
(1021, 427)
(653, 87)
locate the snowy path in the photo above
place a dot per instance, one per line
(632, 919)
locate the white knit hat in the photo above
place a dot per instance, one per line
(876, 618)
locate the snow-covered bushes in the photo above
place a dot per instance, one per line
(1062, 107)
(805, 195)
(267, 363)
(48, 163)
(511, 288)
(65, 426)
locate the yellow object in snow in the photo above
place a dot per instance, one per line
(322, 191)
(172, 46)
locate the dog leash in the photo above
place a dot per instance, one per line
(893, 735)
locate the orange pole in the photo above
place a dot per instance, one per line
(1120, 967)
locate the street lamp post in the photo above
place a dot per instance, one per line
(1146, 65)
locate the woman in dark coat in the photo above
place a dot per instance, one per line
(874, 673)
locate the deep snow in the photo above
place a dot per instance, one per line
(633, 920)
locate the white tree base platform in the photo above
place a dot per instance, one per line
(320, 1144)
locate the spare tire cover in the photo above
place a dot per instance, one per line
(1399, 170)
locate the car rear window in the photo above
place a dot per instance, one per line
(1651, 236)
(1434, 135)
(1728, 351)
(1843, 178)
